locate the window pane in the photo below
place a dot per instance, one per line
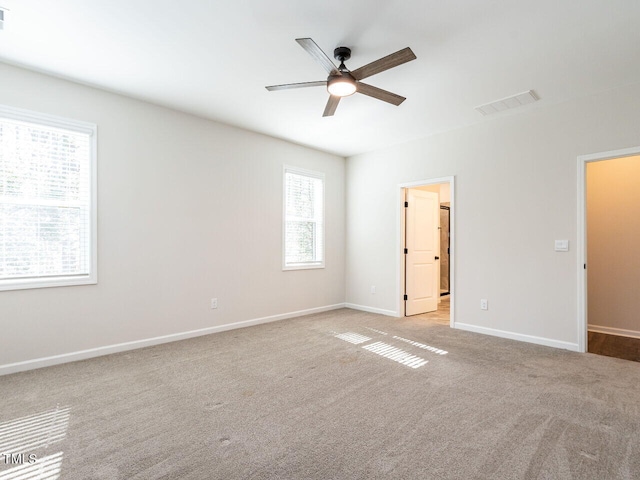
(40, 241)
(300, 240)
(300, 195)
(42, 162)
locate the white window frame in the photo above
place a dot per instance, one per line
(77, 126)
(309, 173)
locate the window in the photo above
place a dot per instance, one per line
(303, 219)
(47, 201)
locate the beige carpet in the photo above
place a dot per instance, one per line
(338, 395)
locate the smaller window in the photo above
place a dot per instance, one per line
(303, 223)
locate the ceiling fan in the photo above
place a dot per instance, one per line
(343, 82)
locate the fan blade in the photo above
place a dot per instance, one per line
(316, 52)
(332, 104)
(287, 86)
(385, 63)
(380, 94)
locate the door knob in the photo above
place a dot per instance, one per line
(437, 258)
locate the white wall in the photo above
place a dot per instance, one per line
(188, 209)
(613, 256)
(515, 193)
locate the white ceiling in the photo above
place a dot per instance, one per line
(214, 58)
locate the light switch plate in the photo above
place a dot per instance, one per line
(562, 245)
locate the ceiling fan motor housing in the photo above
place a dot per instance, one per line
(342, 54)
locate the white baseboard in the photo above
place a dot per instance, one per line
(121, 347)
(613, 331)
(364, 308)
(548, 342)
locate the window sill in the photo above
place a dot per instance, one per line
(302, 267)
(29, 283)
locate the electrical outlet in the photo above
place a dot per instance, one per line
(373, 289)
(484, 304)
(214, 303)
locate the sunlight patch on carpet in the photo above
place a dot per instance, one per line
(377, 331)
(45, 468)
(34, 431)
(396, 354)
(351, 337)
(423, 346)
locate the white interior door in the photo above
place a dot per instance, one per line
(422, 243)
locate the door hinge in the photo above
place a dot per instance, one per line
(406, 204)
(405, 297)
(585, 266)
(406, 250)
(448, 252)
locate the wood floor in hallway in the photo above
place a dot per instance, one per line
(616, 346)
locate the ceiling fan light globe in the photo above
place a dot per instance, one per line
(341, 86)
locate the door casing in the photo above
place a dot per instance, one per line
(582, 234)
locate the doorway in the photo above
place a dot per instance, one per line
(609, 221)
(426, 241)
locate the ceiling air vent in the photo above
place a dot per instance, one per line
(507, 103)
